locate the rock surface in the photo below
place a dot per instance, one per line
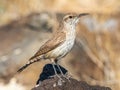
(72, 84)
(49, 81)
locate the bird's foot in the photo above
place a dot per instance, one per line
(60, 78)
(66, 76)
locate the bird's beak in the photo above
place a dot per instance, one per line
(80, 15)
(83, 14)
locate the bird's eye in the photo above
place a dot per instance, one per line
(70, 16)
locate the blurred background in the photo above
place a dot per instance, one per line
(26, 24)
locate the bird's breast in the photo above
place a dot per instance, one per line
(65, 47)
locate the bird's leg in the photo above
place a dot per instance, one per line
(53, 64)
(56, 61)
(60, 79)
(65, 76)
(61, 71)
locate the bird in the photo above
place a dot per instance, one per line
(60, 44)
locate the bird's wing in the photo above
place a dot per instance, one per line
(55, 41)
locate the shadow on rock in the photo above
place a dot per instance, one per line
(48, 72)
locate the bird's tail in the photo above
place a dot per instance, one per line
(29, 63)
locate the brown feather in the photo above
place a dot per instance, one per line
(57, 39)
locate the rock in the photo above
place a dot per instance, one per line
(71, 84)
(49, 81)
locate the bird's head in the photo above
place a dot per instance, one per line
(73, 19)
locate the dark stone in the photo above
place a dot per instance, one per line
(48, 71)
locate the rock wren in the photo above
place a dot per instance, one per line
(60, 44)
